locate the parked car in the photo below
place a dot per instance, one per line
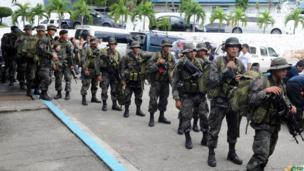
(52, 21)
(178, 23)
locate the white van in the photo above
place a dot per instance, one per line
(104, 33)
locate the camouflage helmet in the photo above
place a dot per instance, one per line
(201, 46)
(166, 42)
(112, 41)
(40, 28)
(28, 27)
(189, 47)
(51, 27)
(135, 44)
(278, 64)
(232, 42)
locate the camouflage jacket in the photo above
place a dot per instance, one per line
(66, 57)
(110, 61)
(91, 61)
(8, 41)
(45, 51)
(26, 45)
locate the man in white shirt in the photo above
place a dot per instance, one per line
(245, 57)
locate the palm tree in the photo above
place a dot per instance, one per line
(218, 14)
(237, 17)
(23, 11)
(58, 6)
(296, 17)
(242, 4)
(82, 10)
(196, 10)
(119, 11)
(143, 10)
(38, 11)
(164, 24)
(185, 4)
(265, 19)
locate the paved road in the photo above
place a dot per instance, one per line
(160, 148)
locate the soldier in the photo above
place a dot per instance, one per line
(46, 55)
(110, 68)
(160, 70)
(133, 77)
(9, 54)
(265, 119)
(64, 66)
(224, 74)
(188, 94)
(90, 71)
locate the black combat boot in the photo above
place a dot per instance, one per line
(232, 156)
(204, 139)
(104, 105)
(211, 158)
(67, 96)
(151, 121)
(195, 125)
(84, 100)
(162, 118)
(188, 143)
(94, 98)
(139, 112)
(44, 96)
(179, 129)
(126, 113)
(115, 106)
(58, 95)
(29, 92)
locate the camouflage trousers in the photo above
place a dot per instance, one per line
(31, 71)
(59, 74)
(263, 147)
(21, 70)
(88, 81)
(135, 88)
(193, 103)
(10, 67)
(217, 114)
(108, 81)
(44, 78)
(159, 93)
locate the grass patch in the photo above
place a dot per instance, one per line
(3, 26)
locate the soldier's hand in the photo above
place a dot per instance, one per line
(293, 109)
(231, 65)
(274, 89)
(178, 104)
(161, 61)
(238, 77)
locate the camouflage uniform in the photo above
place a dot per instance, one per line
(186, 88)
(63, 66)
(133, 74)
(265, 119)
(222, 80)
(110, 68)
(91, 64)
(160, 78)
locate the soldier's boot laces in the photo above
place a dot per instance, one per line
(195, 125)
(84, 100)
(211, 158)
(179, 129)
(44, 96)
(188, 143)
(126, 113)
(232, 156)
(204, 139)
(115, 106)
(139, 112)
(163, 119)
(94, 99)
(104, 105)
(67, 96)
(58, 95)
(151, 121)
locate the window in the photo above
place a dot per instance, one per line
(103, 35)
(252, 50)
(44, 22)
(79, 32)
(272, 52)
(122, 38)
(52, 21)
(176, 20)
(252, 19)
(264, 51)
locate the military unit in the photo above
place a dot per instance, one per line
(195, 81)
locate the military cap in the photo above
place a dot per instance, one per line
(201, 46)
(135, 44)
(188, 48)
(278, 64)
(166, 42)
(40, 28)
(232, 42)
(112, 41)
(51, 27)
(62, 32)
(28, 27)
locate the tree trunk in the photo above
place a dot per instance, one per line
(264, 29)
(82, 20)
(194, 23)
(144, 25)
(294, 29)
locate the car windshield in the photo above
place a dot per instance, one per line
(272, 52)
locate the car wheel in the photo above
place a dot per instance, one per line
(75, 25)
(276, 31)
(237, 30)
(64, 26)
(106, 25)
